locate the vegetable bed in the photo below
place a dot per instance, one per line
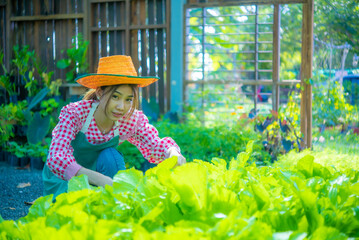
(202, 200)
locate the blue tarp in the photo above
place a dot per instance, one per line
(351, 86)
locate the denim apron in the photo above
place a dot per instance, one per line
(85, 153)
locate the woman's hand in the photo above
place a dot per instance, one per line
(180, 159)
(95, 178)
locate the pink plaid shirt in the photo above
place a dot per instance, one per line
(136, 130)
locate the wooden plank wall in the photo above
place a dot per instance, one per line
(139, 28)
(2, 29)
(47, 27)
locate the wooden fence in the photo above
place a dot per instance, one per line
(2, 26)
(139, 28)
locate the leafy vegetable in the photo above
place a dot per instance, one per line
(202, 200)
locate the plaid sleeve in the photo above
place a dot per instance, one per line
(60, 159)
(146, 139)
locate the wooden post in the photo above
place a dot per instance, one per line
(256, 58)
(8, 46)
(86, 26)
(132, 19)
(276, 58)
(306, 73)
(127, 31)
(168, 57)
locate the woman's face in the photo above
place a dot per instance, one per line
(119, 103)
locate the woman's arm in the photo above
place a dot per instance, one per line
(95, 178)
(154, 149)
(60, 158)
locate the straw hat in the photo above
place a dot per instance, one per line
(114, 70)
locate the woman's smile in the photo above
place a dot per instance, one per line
(117, 115)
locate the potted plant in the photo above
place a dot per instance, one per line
(12, 120)
(21, 154)
(12, 160)
(6, 131)
(13, 115)
(6, 127)
(38, 154)
(18, 154)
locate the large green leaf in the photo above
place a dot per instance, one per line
(190, 182)
(38, 209)
(127, 180)
(298, 236)
(260, 195)
(305, 165)
(63, 63)
(328, 233)
(77, 183)
(319, 170)
(309, 200)
(10, 230)
(38, 128)
(38, 98)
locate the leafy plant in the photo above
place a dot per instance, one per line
(54, 87)
(280, 131)
(5, 79)
(6, 132)
(76, 59)
(23, 58)
(38, 126)
(276, 137)
(38, 150)
(48, 106)
(9, 86)
(25, 62)
(199, 142)
(11, 114)
(207, 200)
(330, 106)
(17, 149)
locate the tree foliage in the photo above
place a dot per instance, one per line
(337, 21)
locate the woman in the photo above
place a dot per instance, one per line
(85, 139)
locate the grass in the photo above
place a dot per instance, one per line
(326, 157)
(336, 141)
(331, 149)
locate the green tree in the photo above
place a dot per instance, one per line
(337, 21)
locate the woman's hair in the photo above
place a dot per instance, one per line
(109, 90)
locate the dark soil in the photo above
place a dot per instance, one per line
(20, 187)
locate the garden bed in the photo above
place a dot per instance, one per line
(204, 200)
